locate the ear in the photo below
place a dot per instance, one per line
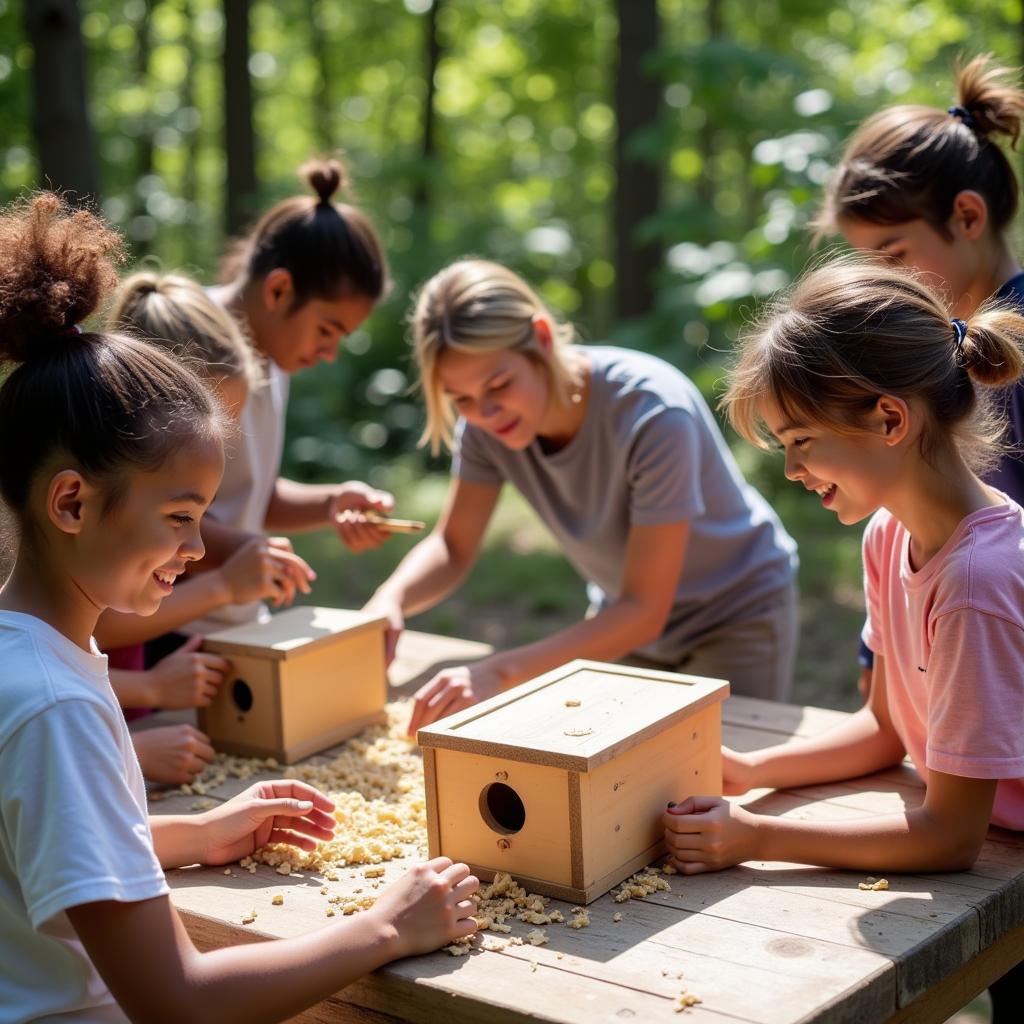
(277, 291)
(67, 496)
(969, 219)
(543, 332)
(890, 419)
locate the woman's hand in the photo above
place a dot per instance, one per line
(392, 611)
(739, 774)
(172, 754)
(452, 690)
(428, 906)
(282, 811)
(188, 677)
(707, 833)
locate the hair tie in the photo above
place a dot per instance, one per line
(964, 115)
(959, 333)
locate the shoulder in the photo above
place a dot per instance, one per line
(985, 570)
(633, 388)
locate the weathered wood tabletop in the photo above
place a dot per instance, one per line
(763, 942)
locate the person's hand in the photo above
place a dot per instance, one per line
(345, 513)
(451, 690)
(282, 811)
(738, 773)
(188, 677)
(265, 569)
(428, 906)
(172, 754)
(392, 611)
(707, 833)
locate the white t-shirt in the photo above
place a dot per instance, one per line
(252, 463)
(73, 822)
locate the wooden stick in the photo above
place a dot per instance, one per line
(394, 525)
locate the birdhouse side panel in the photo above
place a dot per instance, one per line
(623, 800)
(503, 815)
(332, 692)
(245, 716)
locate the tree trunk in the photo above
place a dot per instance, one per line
(60, 116)
(190, 176)
(323, 113)
(421, 193)
(239, 139)
(638, 182)
(144, 140)
(706, 188)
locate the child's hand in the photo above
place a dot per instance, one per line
(707, 833)
(344, 513)
(172, 754)
(282, 811)
(429, 906)
(738, 773)
(265, 568)
(452, 690)
(187, 678)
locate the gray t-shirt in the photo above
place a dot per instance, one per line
(649, 452)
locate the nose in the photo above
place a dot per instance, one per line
(488, 408)
(794, 468)
(193, 548)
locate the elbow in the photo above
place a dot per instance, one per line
(650, 624)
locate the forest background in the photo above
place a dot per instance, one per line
(649, 166)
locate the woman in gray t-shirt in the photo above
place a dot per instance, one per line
(687, 566)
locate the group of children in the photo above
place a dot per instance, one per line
(887, 380)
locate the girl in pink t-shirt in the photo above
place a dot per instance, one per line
(873, 393)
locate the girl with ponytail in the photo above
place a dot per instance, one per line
(112, 452)
(880, 402)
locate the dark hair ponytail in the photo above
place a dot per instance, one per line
(330, 249)
(910, 162)
(105, 401)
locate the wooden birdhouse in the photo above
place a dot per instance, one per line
(562, 781)
(309, 678)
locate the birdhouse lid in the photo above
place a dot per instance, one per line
(292, 632)
(576, 717)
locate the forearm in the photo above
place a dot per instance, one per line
(914, 841)
(132, 689)
(178, 839)
(195, 597)
(858, 746)
(296, 507)
(609, 635)
(238, 984)
(428, 574)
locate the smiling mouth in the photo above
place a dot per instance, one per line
(508, 428)
(825, 491)
(165, 577)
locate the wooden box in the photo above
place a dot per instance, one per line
(562, 781)
(309, 678)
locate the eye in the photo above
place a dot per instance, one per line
(801, 442)
(181, 518)
(461, 402)
(500, 386)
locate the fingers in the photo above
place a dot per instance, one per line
(193, 643)
(292, 568)
(455, 873)
(284, 788)
(357, 533)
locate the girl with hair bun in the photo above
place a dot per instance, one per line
(307, 276)
(881, 405)
(119, 452)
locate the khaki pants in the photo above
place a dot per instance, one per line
(755, 653)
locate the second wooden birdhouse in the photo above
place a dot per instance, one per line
(562, 781)
(306, 680)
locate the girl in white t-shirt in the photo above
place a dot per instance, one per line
(112, 453)
(872, 392)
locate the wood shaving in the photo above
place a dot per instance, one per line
(577, 732)
(873, 884)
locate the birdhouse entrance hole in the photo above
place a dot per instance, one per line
(241, 694)
(502, 808)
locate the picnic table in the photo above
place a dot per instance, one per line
(762, 942)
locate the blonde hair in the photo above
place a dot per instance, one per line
(173, 311)
(476, 306)
(910, 162)
(853, 330)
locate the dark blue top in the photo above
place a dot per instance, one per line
(1008, 476)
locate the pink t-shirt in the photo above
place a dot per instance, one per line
(952, 635)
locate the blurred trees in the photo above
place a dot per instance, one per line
(676, 187)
